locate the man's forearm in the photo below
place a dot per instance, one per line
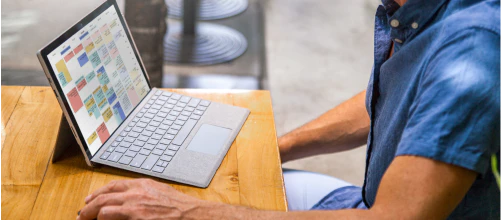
(239, 212)
(341, 128)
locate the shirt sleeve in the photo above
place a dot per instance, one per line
(454, 117)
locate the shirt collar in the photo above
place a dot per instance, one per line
(411, 17)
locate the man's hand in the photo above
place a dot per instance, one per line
(144, 199)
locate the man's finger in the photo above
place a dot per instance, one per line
(112, 187)
(91, 210)
(113, 213)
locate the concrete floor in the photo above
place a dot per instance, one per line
(319, 53)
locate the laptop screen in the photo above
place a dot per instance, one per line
(100, 76)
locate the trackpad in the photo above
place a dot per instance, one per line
(209, 139)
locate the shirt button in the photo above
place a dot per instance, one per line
(414, 25)
(398, 40)
(394, 23)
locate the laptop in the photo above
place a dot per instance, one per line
(119, 120)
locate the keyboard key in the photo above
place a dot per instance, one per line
(189, 109)
(196, 117)
(182, 118)
(166, 158)
(185, 99)
(141, 114)
(134, 134)
(165, 93)
(136, 119)
(151, 102)
(150, 162)
(149, 115)
(156, 136)
(142, 124)
(170, 152)
(148, 146)
(110, 149)
(125, 160)
(157, 107)
(139, 143)
(158, 92)
(153, 141)
(159, 162)
(120, 149)
(175, 113)
(180, 104)
(134, 148)
(194, 102)
(162, 115)
(175, 127)
(150, 128)
(145, 120)
(165, 141)
(163, 98)
(183, 133)
(198, 112)
(169, 106)
(138, 160)
(115, 144)
(145, 152)
(173, 147)
(169, 137)
(153, 111)
(179, 109)
(204, 103)
(129, 139)
(175, 96)
(105, 155)
(179, 122)
(162, 146)
(130, 153)
(167, 121)
(125, 144)
(158, 169)
(164, 164)
(144, 110)
(147, 106)
(172, 131)
(128, 129)
(201, 108)
(143, 138)
(161, 131)
(155, 124)
(186, 113)
(157, 119)
(171, 101)
(160, 102)
(147, 133)
(119, 139)
(137, 129)
(155, 97)
(114, 157)
(157, 152)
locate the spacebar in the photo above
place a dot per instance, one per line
(184, 132)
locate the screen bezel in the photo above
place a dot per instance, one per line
(67, 35)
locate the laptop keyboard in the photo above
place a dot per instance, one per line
(156, 133)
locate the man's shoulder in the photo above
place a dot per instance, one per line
(483, 17)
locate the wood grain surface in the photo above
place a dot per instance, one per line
(34, 188)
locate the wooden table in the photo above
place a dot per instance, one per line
(35, 188)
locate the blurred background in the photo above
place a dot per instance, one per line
(311, 54)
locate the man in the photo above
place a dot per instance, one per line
(430, 119)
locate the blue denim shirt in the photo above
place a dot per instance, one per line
(436, 97)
